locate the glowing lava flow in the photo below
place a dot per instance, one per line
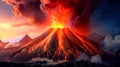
(57, 43)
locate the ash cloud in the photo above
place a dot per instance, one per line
(28, 9)
(35, 10)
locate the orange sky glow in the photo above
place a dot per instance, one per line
(11, 30)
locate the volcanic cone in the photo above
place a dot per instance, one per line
(56, 44)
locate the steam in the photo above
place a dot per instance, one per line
(83, 56)
(96, 59)
(112, 44)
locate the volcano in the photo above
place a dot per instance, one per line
(56, 44)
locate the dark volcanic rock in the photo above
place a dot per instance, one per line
(39, 64)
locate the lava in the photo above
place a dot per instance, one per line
(56, 44)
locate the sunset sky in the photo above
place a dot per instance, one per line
(13, 28)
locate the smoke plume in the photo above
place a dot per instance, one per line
(75, 13)
(112, 44)
(28, 9)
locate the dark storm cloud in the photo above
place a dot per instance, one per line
(27, 8)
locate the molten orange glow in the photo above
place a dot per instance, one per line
(57, 25)
(60, 44)
(59, 18)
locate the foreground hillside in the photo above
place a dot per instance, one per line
(44, 64)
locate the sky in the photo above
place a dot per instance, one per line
(104, 20)
(14, 28)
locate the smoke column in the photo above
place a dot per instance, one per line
(72, 13)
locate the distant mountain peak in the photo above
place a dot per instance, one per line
(25, 39)
(1, 41)
(3, 44)
(26, 36)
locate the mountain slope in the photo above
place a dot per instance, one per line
(2, 44)
(25, 39)
(56, 44)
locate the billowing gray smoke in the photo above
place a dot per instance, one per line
(112, 44)
(39, 12)
(35, 10)
(28, 9)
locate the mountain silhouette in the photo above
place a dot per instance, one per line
(3, 44)
(25, 39)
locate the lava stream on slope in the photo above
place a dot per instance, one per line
(56, 44)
